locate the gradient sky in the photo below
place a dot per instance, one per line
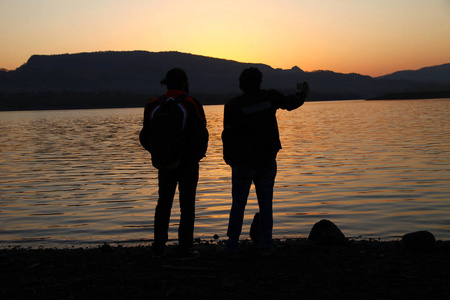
(370, 37)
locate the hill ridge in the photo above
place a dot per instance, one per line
(139, 72)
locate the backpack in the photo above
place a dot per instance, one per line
(165, 134)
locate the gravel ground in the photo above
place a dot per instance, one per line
(299, 270)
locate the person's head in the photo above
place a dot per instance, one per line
(250, 79)
(176, 79)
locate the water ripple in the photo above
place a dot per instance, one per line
(375, 168)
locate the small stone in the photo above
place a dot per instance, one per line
(106, 248)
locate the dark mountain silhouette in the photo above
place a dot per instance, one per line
(429, 74)
(111, 79)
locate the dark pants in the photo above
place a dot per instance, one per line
(186, 176)
(263, 176)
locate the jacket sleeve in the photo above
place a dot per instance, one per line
(200, 132)
(229, 138)
(143, 134)
(289, 102)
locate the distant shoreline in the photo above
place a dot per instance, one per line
(74, 101)
(413, 96)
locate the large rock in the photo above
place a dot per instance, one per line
(419, 241)
(326, 232)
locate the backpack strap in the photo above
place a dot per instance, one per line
(178, 101)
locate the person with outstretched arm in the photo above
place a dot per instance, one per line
(250, 145)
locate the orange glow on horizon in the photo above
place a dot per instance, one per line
(369, 38)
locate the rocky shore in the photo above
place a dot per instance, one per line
(301, 269)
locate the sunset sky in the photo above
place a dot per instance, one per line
(370, 37)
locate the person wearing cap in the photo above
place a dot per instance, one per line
(186, 172)
(250, 145)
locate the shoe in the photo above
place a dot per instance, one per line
(159, 252)
(224, 251)
(187, 255)
(267, 252)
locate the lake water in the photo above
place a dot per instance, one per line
(378, 169)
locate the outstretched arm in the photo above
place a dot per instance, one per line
(296, 100)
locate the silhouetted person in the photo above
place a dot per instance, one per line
(250, 146)
(174, 132)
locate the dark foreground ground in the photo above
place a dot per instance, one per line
(300, 270)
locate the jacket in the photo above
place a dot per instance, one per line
(196, 133)
(250, 135)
